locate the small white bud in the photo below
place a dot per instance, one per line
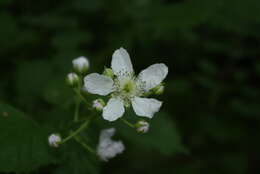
(108, 72)
(98, 104)
(72, 79)
(142, 126)
(54, 140)
(81, 65)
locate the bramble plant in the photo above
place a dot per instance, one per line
(124, 89)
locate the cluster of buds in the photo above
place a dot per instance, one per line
(124, 88)
(80, 67)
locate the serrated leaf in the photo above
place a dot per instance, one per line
(23, 144)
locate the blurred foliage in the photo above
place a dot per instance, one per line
(209, 122)
(22, 148)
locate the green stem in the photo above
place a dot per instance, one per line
(77, 91)
(76, 114)
(84, 144)
(128, 123)
(81, 128)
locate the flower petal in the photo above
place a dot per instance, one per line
(113, 110)
(146, 107)
(107, 134)
(153, 75)
(98, 84)
(121, 62)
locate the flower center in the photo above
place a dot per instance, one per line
(129, 86)
(126, 88)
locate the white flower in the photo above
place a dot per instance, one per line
(98, 104)
(54, 140)
(142, 126)
(80, 64)
(72, 79)
(126, 89)
(108, 148)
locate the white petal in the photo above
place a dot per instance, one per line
(153, 75)
(121, 62)
(113, 110)
(107, 134)
(98, 84)
(146, 107)
(108, 148)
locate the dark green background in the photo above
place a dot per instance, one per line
(209, 123)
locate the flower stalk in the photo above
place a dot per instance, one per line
(80, 129)
(127, 123)
(87, 147)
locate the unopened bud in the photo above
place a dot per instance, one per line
(142, 126)
(54, 140)
(98, 104)
(108, 72)
(72, 79)
(158, 90)
(81, 65)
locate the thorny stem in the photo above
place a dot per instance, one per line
(128, 123)
(81, 128)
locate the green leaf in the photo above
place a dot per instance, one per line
(163, 136)
(23, 144)
(76, 160)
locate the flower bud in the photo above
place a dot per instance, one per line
(108, 72)
(72, 79)
(98, 104)
(142, 126)
(159, 89)
(54, 140)
(81, 65)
